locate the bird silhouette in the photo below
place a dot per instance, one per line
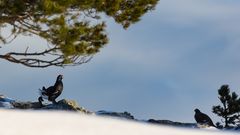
(52, 92)
(202, 118)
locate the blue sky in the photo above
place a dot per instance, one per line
(173, 61)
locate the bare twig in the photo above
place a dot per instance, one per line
(32, 62)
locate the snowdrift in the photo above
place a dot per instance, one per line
(18, 122)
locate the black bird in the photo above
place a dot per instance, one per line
(52, 92)
(202, 118)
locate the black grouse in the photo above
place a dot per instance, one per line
(202, 118)
(52, 92)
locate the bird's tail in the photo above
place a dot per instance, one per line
(42, 92)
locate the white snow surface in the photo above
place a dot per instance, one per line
(17, 122)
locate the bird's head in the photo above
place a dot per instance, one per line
(60, 77)
(197, 110)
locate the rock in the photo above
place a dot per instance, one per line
(64, 104)
(125, 115)
(204, 125)
(171, 123)
(67, 105)
(5, 102)
(26, 105)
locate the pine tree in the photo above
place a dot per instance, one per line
(230, 108)
(74, 29)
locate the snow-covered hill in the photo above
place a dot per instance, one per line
(29, 118)
(17, 122)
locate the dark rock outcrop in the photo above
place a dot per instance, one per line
(6, 102)
(67, 105)
(64, 104)
(171, 123)
(125, 115)
(26, 105)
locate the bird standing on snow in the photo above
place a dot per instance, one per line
(52, 92)
(202, 118)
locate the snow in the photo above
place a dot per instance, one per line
(17, 122)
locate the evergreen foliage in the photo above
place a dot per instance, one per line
(74, 28)
(230, 108)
